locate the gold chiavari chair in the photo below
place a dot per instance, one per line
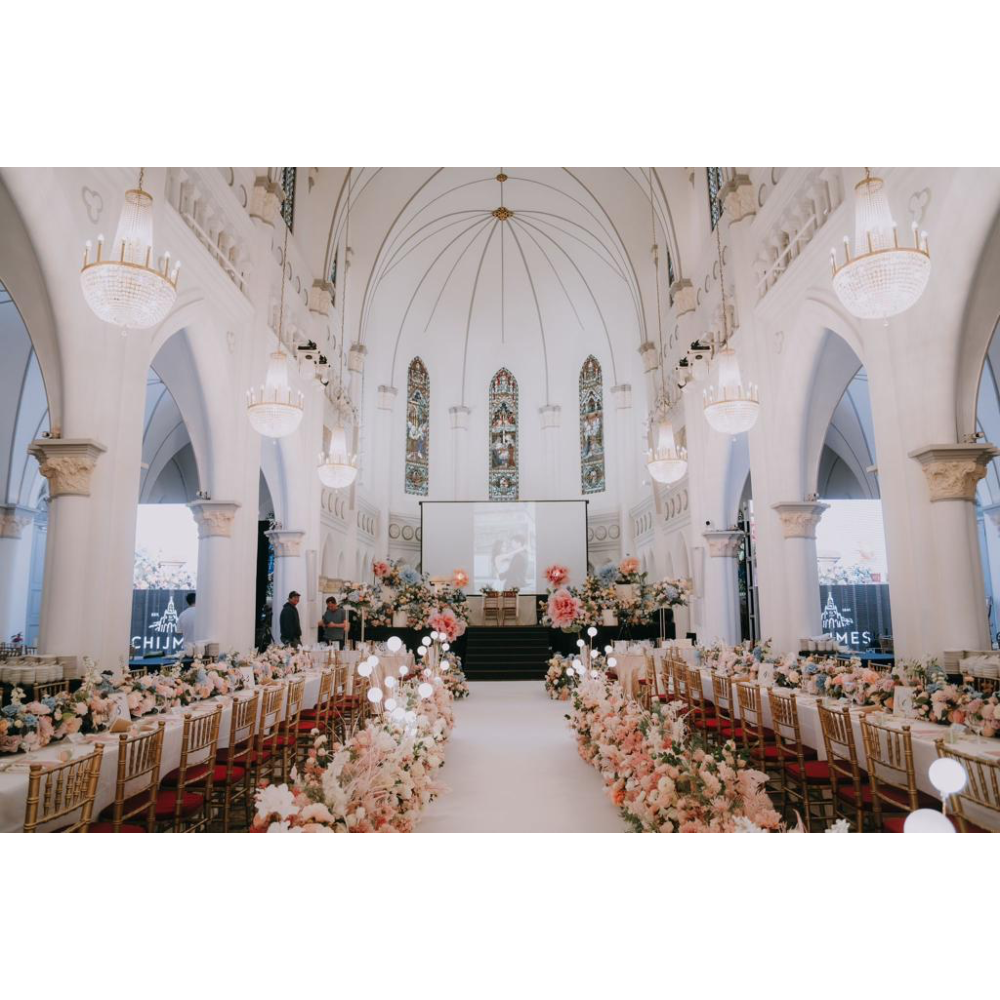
(893, 778)
(288, 740)
(491, 608)
(678, 674)
(981, 796)
(649, 685)
(849, 784)
(702, 713)
(805, 780)
(49, 689)
(319, 717)
(184, 802)
(56, 792)
(139, 760)
(758, 741)
(235, 771)
(266, 755)
(725, 708)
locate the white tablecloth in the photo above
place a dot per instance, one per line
(14, 783)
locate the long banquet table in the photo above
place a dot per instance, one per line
(14, 768)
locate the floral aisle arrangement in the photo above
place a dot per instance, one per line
(660, 780)
(399, 588)
(365, 599)
(453, 678)
(669, 593)
(561, 678)
(563, 610)
(379, 781)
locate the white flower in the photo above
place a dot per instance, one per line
(281, 827)
(840, 826)
(276, 799)
(744, 825)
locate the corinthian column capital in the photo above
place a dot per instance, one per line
(954, 470)
(799, 517)
(67, 463)
(214, 517)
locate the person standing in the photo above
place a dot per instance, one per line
(333, 624)
(291, 628)
(186, 621)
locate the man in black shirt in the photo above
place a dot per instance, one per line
(291, 630)
(333, 624)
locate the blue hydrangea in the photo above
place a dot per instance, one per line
(671, 593)
(49, 703)
(30, 720)
(608, 574)
(354, 596)
(758, 654)
(10, 710)
(202, 676)
(409, 576)
(821, 682)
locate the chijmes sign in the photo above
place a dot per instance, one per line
(154, 620)
(855, 614)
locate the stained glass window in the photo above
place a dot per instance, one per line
(591, 427)
(418, 429)
(288, 186)
(714, 187)
(503, 436)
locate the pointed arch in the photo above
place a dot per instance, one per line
(504, 425)
(416, 479)
(591, 427)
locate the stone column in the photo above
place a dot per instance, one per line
(459, 419)
(801, 616)
(623, 463)
(15, 569)
(952, 472)
(721, 587)
(68, 465)
(289, 575)
(213, 610)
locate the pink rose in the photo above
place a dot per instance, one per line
(563, 608)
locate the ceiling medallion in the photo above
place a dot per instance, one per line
(501, 177)
(501, 213)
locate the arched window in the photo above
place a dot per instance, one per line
(591, 427)
(503, 436)
(418, 429)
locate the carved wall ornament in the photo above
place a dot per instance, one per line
(214, 517)
(93, 202)
(286, 543)
(67, 463)
(918, 204)
(799, 517)
(723, 544)
(739, 200)
(683, 294)
(13, 521)
(953, 470)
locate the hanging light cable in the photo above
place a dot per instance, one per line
(338, 468)
(731, 406)
(125, 288)
(665, 461)
(275, 409)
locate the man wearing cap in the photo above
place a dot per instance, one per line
(291, 630)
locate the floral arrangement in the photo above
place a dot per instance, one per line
(557, 575)
(453, 678)
(380, 780)
(447, 623)
(628, 568)
(671, 593)
(944, 703)
(659, 781)
(460, 578)
(608, 574)
(743, 660)
(562, 610)
(561, 678)
(858, 684)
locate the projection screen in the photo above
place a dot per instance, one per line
(504, 545)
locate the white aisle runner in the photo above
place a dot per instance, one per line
(512, 767)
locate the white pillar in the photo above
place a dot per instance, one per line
(459, 418)
(801, 617)
(213, 609)
(15, 569)
(625, 464)
(952, 472)
(721, 587)
(289, 575)
(68, 464)
(549, 421)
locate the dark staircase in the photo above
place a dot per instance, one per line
(510, 653)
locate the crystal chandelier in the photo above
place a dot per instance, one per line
(731, 405)
(275, 409)
(665, 462)
(125, 288)
(338, 468)
(883, 279)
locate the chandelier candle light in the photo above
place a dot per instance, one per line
(731, 406)
(882, 279)
(275, 409)
(125, 288)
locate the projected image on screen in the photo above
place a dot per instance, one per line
(504, 546)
